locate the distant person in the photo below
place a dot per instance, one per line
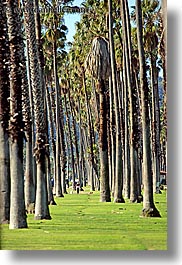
(78, 187)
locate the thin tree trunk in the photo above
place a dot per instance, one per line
(70, 142)
(113, 137)
(103, 144)
(130, 83)
(126, 131)
(27, 118)
(149, 209)
(88, 112)
(118, 171)
(32, 141)
(4, 176)
(58, 182)
(155, 125)
(164, 19)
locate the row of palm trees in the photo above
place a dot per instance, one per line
(134, 121)
(91, 114)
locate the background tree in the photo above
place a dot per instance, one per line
(118, 185)
(149, 209)
(98, 65)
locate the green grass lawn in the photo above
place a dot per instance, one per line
(81, 222)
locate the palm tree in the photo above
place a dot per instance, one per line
(27, 119)
(132, 100)
(54, 37)
(149, 209)
(118, 185)
(164, 59)
(41, 205)
(58, 125)
(98, 64)
(17, 205)
(68, 115)
(88, 111)
(4, 118)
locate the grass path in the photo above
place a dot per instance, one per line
(81, 222)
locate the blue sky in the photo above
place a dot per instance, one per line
(70, 19)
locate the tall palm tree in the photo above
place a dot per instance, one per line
(55, 38)
(4, 118)
(89, 131)
(68, 115)
(98, 64)
(58, 182)
(41, 205)
(164, 59)
(132, 99)
(27, 119)
(149, 209)
(118, 185)
(17, 205)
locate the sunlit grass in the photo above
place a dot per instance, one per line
(81, 222)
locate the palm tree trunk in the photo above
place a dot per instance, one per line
(118, 171)
(41, 205)
(70, 143)
(29, 177)
(58, 182)
(32, 140)
(126, 131)
(17, 202)
(104, 167)
(4, 118)
(113, 137)
(155, 124)
(149, 209)
(164, 19)
(90, 134)
(131, 87)
(4, 176)
(74, 133)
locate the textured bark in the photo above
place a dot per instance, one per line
(27, 118)
(103, 145)
(4, 118)
(97, 63)
(149, 209)
(17, 203)
(41, 205)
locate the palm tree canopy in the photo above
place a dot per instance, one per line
(98, 62)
